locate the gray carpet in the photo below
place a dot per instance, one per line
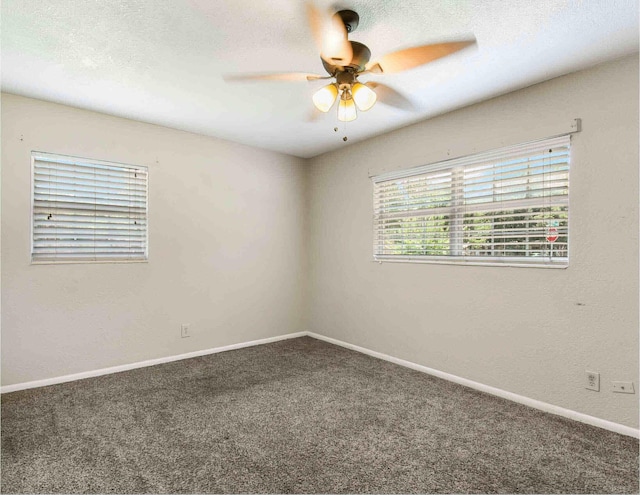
(297, 416)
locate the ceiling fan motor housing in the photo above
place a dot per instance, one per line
(345, 79)
(360, 58)
(361, 55)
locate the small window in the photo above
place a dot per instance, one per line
(507, 206)
(87, 210)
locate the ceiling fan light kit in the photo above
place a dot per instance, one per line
(325, 97)
(347, 108)
(363, 96)
(345, 60)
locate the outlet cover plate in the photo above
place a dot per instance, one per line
(592, 381)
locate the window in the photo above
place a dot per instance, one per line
(504, 206)
(87, 210)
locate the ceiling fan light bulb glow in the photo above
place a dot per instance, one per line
(364, 96)
(325, 97)
(347, 110)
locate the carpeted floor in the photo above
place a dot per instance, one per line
(297, 416)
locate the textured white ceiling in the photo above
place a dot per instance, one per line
(161, 61)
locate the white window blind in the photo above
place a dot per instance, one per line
(86, 210)
(504, 206)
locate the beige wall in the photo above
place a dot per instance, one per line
(246, 244)
(226, 248)
(529, 331)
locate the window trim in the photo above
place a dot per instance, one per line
(458, 163)
(71, 159)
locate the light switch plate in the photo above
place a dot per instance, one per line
(185, 330)
(623, 387)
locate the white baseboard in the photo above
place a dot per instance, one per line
(143, 364)
(543, 406)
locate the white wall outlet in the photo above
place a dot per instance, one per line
(593, 381)
(623, 387)
(185, 330)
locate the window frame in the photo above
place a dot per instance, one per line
(60, 158)
(457, 166)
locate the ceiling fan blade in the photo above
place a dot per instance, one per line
(316, 22)
(413, 57)
(330, 35)
(277, 76)
(389, 96)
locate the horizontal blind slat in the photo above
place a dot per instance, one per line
(535, 189)
(49, 207)
(48, 188)
(69, 197)
(88, 168)
(497, 155)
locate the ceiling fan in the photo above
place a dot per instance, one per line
(346, 60)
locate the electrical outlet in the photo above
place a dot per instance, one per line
(185, 330)
(593, 381)
(623, 387)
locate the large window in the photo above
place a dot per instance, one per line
(87, 210)
(504, 206)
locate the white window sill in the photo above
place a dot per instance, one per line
(471, 262)
(86, 262)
